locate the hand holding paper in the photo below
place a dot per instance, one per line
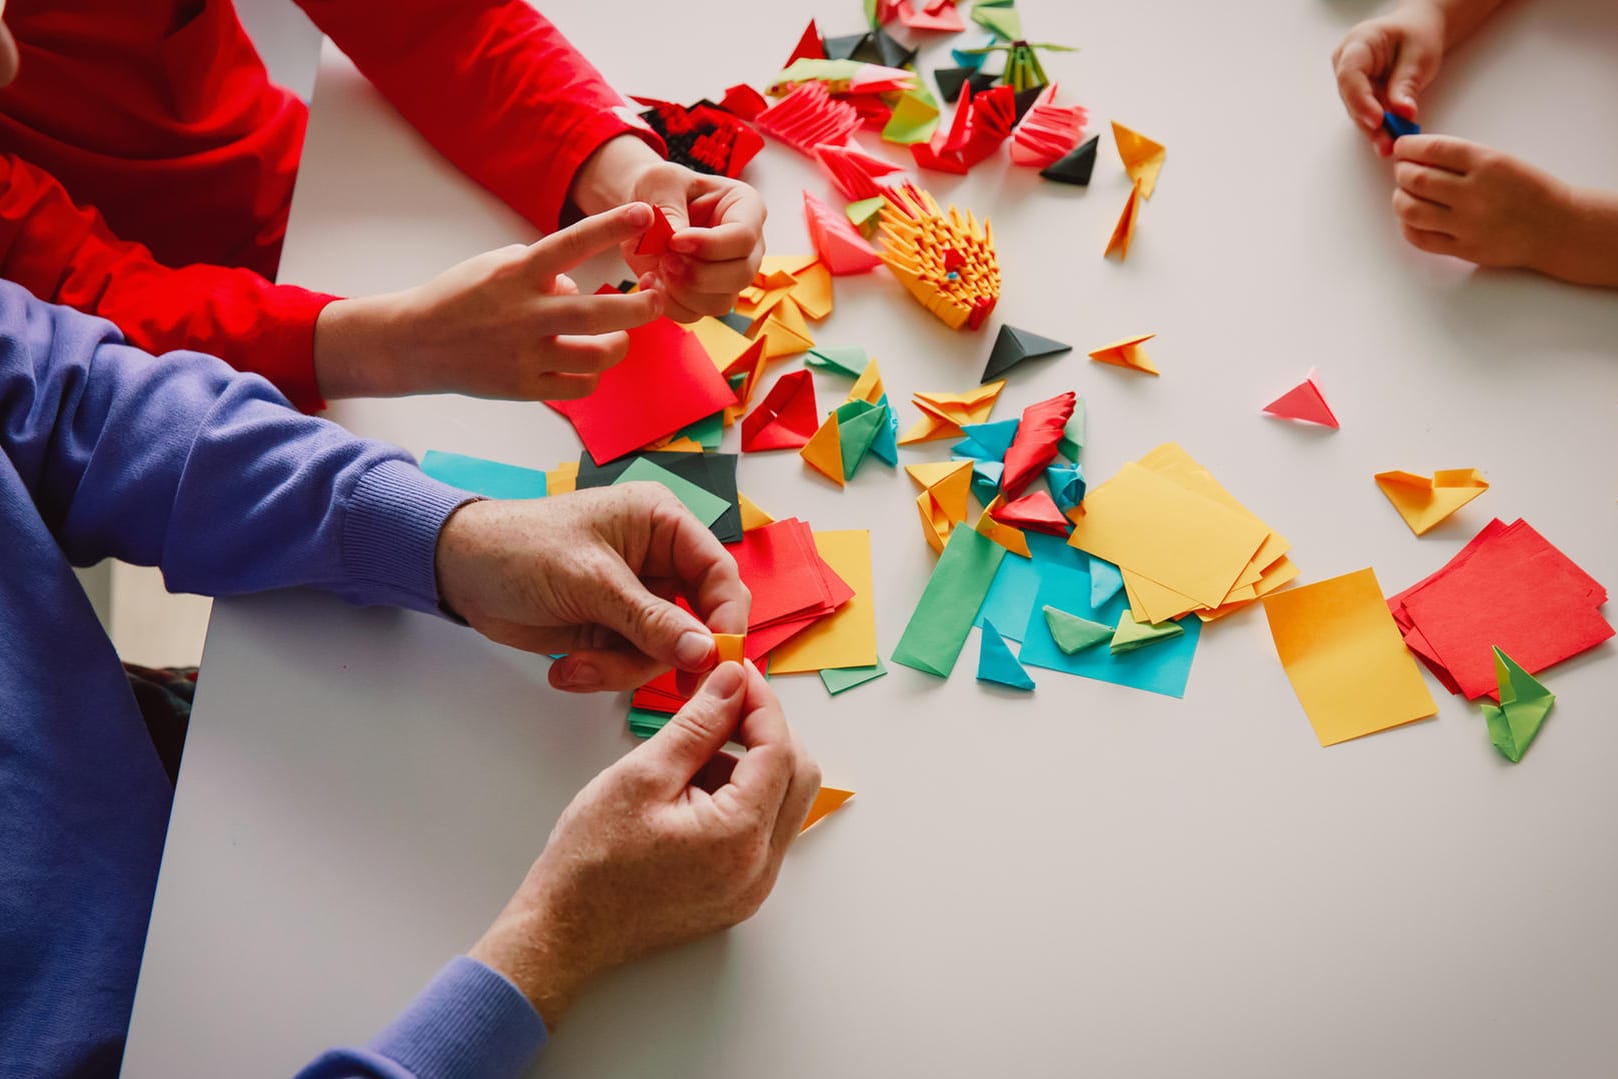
(508, 324)
(718, 224)
(590, 574)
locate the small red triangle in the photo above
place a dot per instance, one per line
(787, 417)
(1303, 402)
(810, 47)
(1036, 511)
(655, 240)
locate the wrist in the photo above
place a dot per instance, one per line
(1581, 246)
(608, 176)
(524, 949)
(355, 349)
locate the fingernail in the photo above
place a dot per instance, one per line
(639, 214)
(726, 680)
(580, 675)
(682, 243)
(693, 650)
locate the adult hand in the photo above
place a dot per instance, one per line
(592, 574)
(509, 323)
(1455, 197)
(718, 224)
(676, 840)
(1385, 63)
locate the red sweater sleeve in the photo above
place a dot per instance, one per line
(492, 85)
(65, 254)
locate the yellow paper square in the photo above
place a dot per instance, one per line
(1345, 658)
(848, 637)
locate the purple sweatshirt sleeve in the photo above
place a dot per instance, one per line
(469, 1023)
(183, 463)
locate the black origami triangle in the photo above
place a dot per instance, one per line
(1012, 346)
(1076, 167)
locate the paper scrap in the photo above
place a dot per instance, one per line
(492, 479)
(943, 616)
(1142, 158)
(828, 800)
(1423, 502)
(996, 663)
(1524, 703)
(841, 679)
(1127, 353)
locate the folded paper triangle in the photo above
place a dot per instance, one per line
(857, 432)
(1074, 168)
(1105, 581)
(839, 243)
(1524, 703)
(845, 360)
(752, 516)
(1424, 502)
(1142, 158)
(1131, 634)
(828, 800)
(940, 16)
(1012, 346)
(1035, 511)
(824, 452)
(1304, 402)
(809, 46)
(1127, 353)
(786, 419)
(1124, 231)
(995, 661)
(1074, 634)
(655, 240)
(1008, 536)
(730, 646)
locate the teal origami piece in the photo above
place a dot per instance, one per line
(1066, 483)
(1524, 703)
(987, 441)
(885, 446)
(1105, 581)
(996, 663)
(491, 479)
(1163, 668)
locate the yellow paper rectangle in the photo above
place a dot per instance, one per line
(1345, 658)
(847, 638)
(1150, 524)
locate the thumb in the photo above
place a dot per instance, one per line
(666, 188)
(657, 628)
(1412, 71)
(700, 729)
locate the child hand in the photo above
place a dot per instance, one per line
(1384, 63)
(1457, 198)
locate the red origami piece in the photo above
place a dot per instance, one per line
(982, 122)
(1035, 443)
(744, 101)
(1047, 131)
(705, 137)
(836, 240)
(655, 240)
(939, 15)
(809, 47)
(809, 117)
(787, 417)
(855, 173)
(1304, 402)
(1035, 510)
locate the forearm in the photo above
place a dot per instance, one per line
(469, 1020)
(1586, 252)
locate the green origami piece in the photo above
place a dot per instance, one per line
(858, 424)
(1074, 634)
(849, 361)
(865, 214)
(1073, 435)
(709, 431)
(1131, 634)
(838, 679)
(914, 118)
(1524, 703)
(707, 506)
(1003, 21)
(949, 604)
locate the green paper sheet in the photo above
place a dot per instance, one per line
(949, 604)
(709, 431)
(644, 723)
(849, 361)
(1524, 703)
(492, 479)
(838, 679)
(706, 505)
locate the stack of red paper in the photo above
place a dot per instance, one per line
(1511, 588)
(792, 587)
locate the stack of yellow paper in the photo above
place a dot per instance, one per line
(1182, 542)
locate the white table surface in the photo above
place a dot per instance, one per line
(1089, 881)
